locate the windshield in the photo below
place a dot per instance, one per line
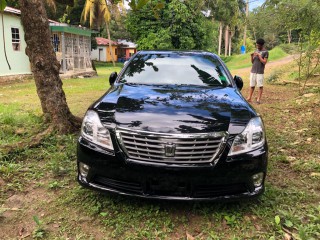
(175, 68)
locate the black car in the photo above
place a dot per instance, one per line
(173, 125)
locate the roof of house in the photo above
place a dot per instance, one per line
(56, 26)
(126, 44)
(104, 42)
(12, 10)
(63, 27)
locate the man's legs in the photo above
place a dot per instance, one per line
(259, 94)
(253, 79)
(260, 79)
(250, 94)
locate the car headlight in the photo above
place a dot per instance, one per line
(252, 137)
(93, 130)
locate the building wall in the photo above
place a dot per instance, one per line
(105, 55)
(114, 51)
(18, 60)
(130, 52)
(75, 56)
(99, 57)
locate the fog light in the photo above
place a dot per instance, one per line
(83, 169)
(258, 179)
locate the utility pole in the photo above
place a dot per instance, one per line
(245, 27)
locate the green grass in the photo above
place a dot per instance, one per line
(16, 123)
(244, 60)
(63, 209)
(80, 92)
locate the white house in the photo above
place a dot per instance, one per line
(71, 44)
(14, 45)
(102, 53)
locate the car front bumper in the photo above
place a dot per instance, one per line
(228, 178)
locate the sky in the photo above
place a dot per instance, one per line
(255, 3)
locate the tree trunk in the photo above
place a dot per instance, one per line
(254, 34)
(110, 45)
(246, 23)
(245, 36)
(45, 67)
(289, 36)
(230, 43)
(226, 41)
(220, 38)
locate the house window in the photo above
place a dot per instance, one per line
(55, 42)
(116, 51)
(15, 39)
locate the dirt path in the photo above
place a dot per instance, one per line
(245, 72)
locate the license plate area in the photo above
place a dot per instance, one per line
(168, 187)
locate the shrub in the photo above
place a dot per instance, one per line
(274, 76)
(290, 48)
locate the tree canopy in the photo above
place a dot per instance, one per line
(176, 25)
(278, 18)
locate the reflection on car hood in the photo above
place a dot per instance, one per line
(174, 109)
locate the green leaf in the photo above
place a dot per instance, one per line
(288, 223)
(103, 214)
(3, 4)
(277, 219)
(37, 221)
(159, 6)
(141, 3)
(133, 5)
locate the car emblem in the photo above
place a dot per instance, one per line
(169, 149)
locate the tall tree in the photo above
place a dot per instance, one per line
(45, 67)
(118, 29)
(172, 25)
(230, 14)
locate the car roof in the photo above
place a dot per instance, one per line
(188, 52)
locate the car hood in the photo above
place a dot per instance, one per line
(174, 109)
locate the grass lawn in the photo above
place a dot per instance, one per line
(40, 198)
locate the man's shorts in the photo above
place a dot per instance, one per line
(256, 79)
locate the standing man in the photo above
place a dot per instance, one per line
(259, 59)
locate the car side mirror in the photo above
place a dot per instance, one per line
(239, 82)
(112, 78)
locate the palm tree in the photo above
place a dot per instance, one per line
(99, 13)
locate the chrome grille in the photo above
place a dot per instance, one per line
(171, 148)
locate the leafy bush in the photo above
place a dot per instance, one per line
(274, 76)
(290, 48)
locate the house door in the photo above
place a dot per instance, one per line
(100, 53)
